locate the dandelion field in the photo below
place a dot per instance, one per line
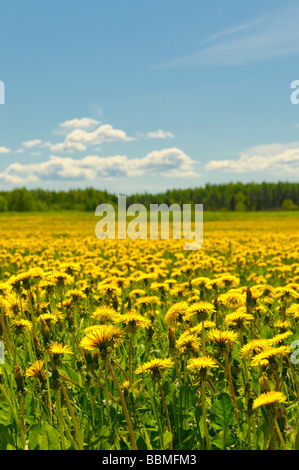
(123, 345)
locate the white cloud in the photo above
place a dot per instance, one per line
(273, 158)
(83, 123)
(160, 134)
(170, 162)
(68, 147)
(104, 133)
(270, 37)
(32, 143)
(6, 178)
(78, 139)
(4, 150)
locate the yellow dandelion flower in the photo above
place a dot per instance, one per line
(76, 295)
(228, 280)
(175, 313)
(59, 279)
(22, 325)
(148, 300)
(4, 288)
(103, 338)
(109, 289)
(49, 318)
(105, 314)
(36, 370)
(224, 339)
(254, 347)
(203, 282)
(133, 320)
(278, 339)
(239, 318)
(268, 399)
(233, 298)
(70, 268)
(282, 325)
(188, 344)
(137, 293)
(155, 367)
(200, 365)
(269, 355)
(286, 293)
(293, 310)
(58, 349)
(11, 306)
(201, 309)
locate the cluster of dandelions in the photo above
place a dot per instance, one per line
(144, 345)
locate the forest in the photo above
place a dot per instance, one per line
(239, 197)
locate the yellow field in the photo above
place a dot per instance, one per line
(142, 344)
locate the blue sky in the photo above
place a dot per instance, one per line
(145, 96)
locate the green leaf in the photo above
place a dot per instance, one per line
(147, 439)
(6, 417)
(6, 439)
(223, 411)
(167, 438)
(223, 440)
(29, 409)
(43, 436)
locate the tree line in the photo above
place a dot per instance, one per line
(214, 197)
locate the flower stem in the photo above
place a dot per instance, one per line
(166, 411)
(231, 386)
(74, 420)
(125, 409)
(130, 360)
(279, 434)
(204, 416)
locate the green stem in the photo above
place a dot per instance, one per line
(279, 434)
(166, 411)
(231, 386)
(203, 337)
(125, 409)
(61, 428)
(49, 392)
(204, 416)
(74, 420)
(130, 360)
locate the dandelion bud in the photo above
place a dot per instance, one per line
(70, 318)
(19, 378)
(249, 406)
(264, 384)
(37, 349)
(171, 338)
(45, 331)
(281, 419)
(248, 297)
(126, 386)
